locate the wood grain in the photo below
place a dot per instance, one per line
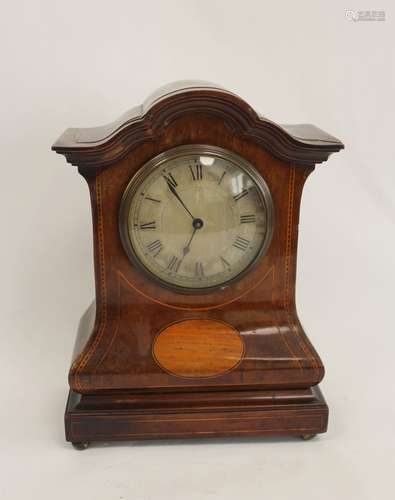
(198, 348)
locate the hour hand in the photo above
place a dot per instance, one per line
(187, 248)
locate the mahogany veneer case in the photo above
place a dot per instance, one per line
(153, 362)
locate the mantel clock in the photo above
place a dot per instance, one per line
(193, 331)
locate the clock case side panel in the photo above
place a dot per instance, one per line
(297, 179)
(93, 321)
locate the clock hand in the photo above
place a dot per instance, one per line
(197, 224)
(173, 191)
(186, 249)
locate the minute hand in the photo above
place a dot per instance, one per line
(173, 190)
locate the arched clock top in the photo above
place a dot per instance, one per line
(303, 144)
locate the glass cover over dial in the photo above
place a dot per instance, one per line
(196, 217)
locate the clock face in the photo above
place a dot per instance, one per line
(196, 218)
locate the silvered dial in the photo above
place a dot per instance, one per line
(196, 217)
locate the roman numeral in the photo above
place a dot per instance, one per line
(196, 171)
(243, 193)
(245, 219)
(241, 243)
(155, 246)
(199, 271)
(222, 176)
(225, 263)
(171, 182)
(174, 264)
(152, 199)
(148, 225)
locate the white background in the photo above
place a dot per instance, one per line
(83, 63)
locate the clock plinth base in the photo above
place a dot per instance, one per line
(122, 416)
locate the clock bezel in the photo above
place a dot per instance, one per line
(174, 153)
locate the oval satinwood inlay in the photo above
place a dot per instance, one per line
(198, 348)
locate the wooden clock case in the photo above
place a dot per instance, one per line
(150, 362)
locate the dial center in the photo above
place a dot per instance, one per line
(197, 223)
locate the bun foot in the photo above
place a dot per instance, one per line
(306, 437)
(83, 445)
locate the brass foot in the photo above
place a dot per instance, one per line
(81, 445)
(306, 437)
